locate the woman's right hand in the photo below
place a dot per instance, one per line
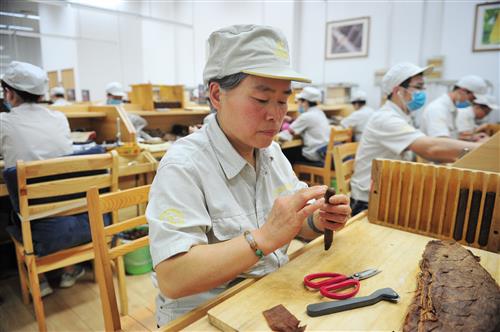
(287, 215)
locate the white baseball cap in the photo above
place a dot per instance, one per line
(358, 95)
(57, 90)
(473, 83)
(486, 100)
(252, 49)
(26, 77)
(400, 73)
(115, 89)
(310, 93)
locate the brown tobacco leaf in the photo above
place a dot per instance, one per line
(281, 320)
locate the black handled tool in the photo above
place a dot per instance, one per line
(328, 232)
(325, 308)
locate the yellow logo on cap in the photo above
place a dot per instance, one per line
(281, 51)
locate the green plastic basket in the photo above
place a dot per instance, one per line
(138, 261)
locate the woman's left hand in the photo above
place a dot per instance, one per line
(335, 214)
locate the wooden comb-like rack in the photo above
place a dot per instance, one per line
(438, 201)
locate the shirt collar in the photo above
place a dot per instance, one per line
(449, 103)
(393, 107)
(231, 161)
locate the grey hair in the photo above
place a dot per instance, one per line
(227, 83)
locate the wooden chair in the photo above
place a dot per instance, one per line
(325, 172)
(97, 205)
(343, 157)
(47, 188)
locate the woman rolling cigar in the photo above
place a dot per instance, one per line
(225, 202)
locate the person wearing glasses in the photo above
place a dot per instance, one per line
(467, 117)
(390, 133)
(439, 118)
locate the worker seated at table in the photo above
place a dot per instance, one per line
(32, 132)
(358, 119)
(57, 96)
(115, 96)
(225, 202)
(312, 125)
(467, 118)
(440, 116)
(390, 133)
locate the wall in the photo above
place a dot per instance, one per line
(399, 31)
(165, 42)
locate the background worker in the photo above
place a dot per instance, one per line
(467, 117)
(57, 96)
(312, 124)
(358, 119)
(32, 132)
(439, 117)
(390, 134)
(225, 202)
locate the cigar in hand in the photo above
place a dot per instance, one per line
(328, 232)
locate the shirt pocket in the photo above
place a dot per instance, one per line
(226, 228)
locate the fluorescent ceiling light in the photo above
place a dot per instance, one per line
(3, 26)
(12, 14)
(19, 15)
(18, 27)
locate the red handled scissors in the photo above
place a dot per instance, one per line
(333, 282)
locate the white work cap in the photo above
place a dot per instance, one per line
(473, 83)
(400, 73)
(26, 77)
(115, 89)
(57, 90)
(486, 100)
(310, 93)
(358, 95)
(252, 49)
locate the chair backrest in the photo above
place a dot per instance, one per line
(57, 187)
(343, 156)
(337, 136)
(112, 202)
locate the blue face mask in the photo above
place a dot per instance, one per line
(7, 105)
(112, 101)
(462, 104)
(417, 101)
(301, 109)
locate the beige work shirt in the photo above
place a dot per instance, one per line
(32, 132)
(387, 135)
(439, 118)
(204, 192)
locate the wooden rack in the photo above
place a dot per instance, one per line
(439, 201)
(151, 95)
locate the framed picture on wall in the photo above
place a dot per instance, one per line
(487, 27)
(347, 38)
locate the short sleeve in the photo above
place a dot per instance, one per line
(176, 212)
(395, 134)
(300, 124)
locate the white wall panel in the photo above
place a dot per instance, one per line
(158, 49)
(95, 24)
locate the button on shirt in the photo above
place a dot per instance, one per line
(357, 120)
(32, 132)
(387, 135)
(314, 128)
(439, 118)
(204, 192)
(466, 120)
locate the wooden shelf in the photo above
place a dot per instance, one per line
(85, 115)
(171, 112)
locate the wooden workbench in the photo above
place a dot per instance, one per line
(361, 245)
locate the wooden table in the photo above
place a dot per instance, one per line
(360, 246)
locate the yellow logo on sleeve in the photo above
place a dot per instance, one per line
(172, 216)
(286, 187)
